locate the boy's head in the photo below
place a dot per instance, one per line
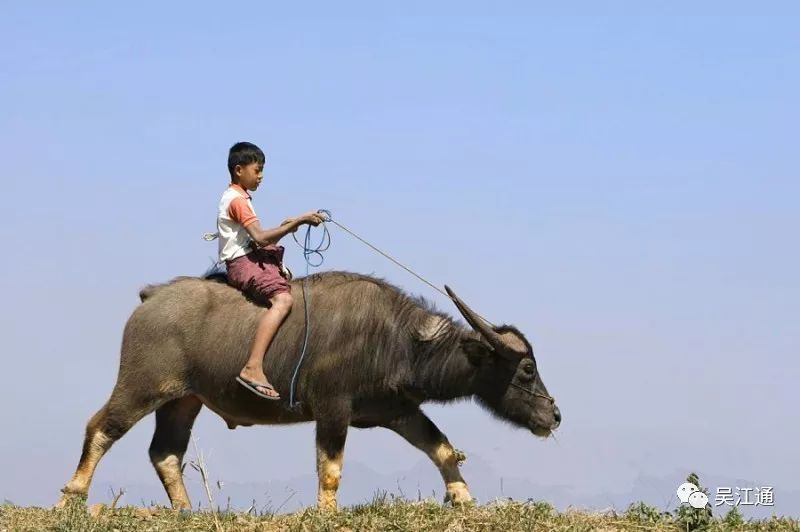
(246, 165)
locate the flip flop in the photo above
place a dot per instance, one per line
(254, 386)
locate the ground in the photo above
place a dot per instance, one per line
(383, 514)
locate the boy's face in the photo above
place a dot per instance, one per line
(249, 176)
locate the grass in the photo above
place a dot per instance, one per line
(382, 514)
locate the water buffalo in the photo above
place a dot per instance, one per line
(374, 356)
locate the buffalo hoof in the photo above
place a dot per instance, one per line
(182, 506)
(68, 499)
(457, 494)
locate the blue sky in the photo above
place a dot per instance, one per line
(621, 184)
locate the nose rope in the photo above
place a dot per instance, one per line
(535, 394)
(329, 218)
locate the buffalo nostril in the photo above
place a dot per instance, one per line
(556, 414)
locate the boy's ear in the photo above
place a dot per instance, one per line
(478, 352)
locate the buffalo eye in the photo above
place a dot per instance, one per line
(528, 370)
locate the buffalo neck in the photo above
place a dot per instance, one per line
(445, 374)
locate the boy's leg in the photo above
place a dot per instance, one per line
(268, 325)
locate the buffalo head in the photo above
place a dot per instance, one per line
(508, 381)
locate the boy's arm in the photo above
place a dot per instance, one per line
(265, 237)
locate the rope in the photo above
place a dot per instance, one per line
(409, 270)
(308, 253)
(406, 268)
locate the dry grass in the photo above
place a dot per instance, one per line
(381, 515)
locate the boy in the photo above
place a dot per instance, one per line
(253, 258)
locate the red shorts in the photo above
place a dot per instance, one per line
(258, 274)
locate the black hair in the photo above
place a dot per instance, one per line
(243, 153)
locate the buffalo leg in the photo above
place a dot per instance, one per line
(331, 437)
(421, 432)
(174, 422)
(108, 425)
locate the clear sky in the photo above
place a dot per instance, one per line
(622, 184)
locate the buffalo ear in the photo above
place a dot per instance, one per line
(478, 352)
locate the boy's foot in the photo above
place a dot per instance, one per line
(264, 390)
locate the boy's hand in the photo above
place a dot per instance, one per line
(312, 218)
